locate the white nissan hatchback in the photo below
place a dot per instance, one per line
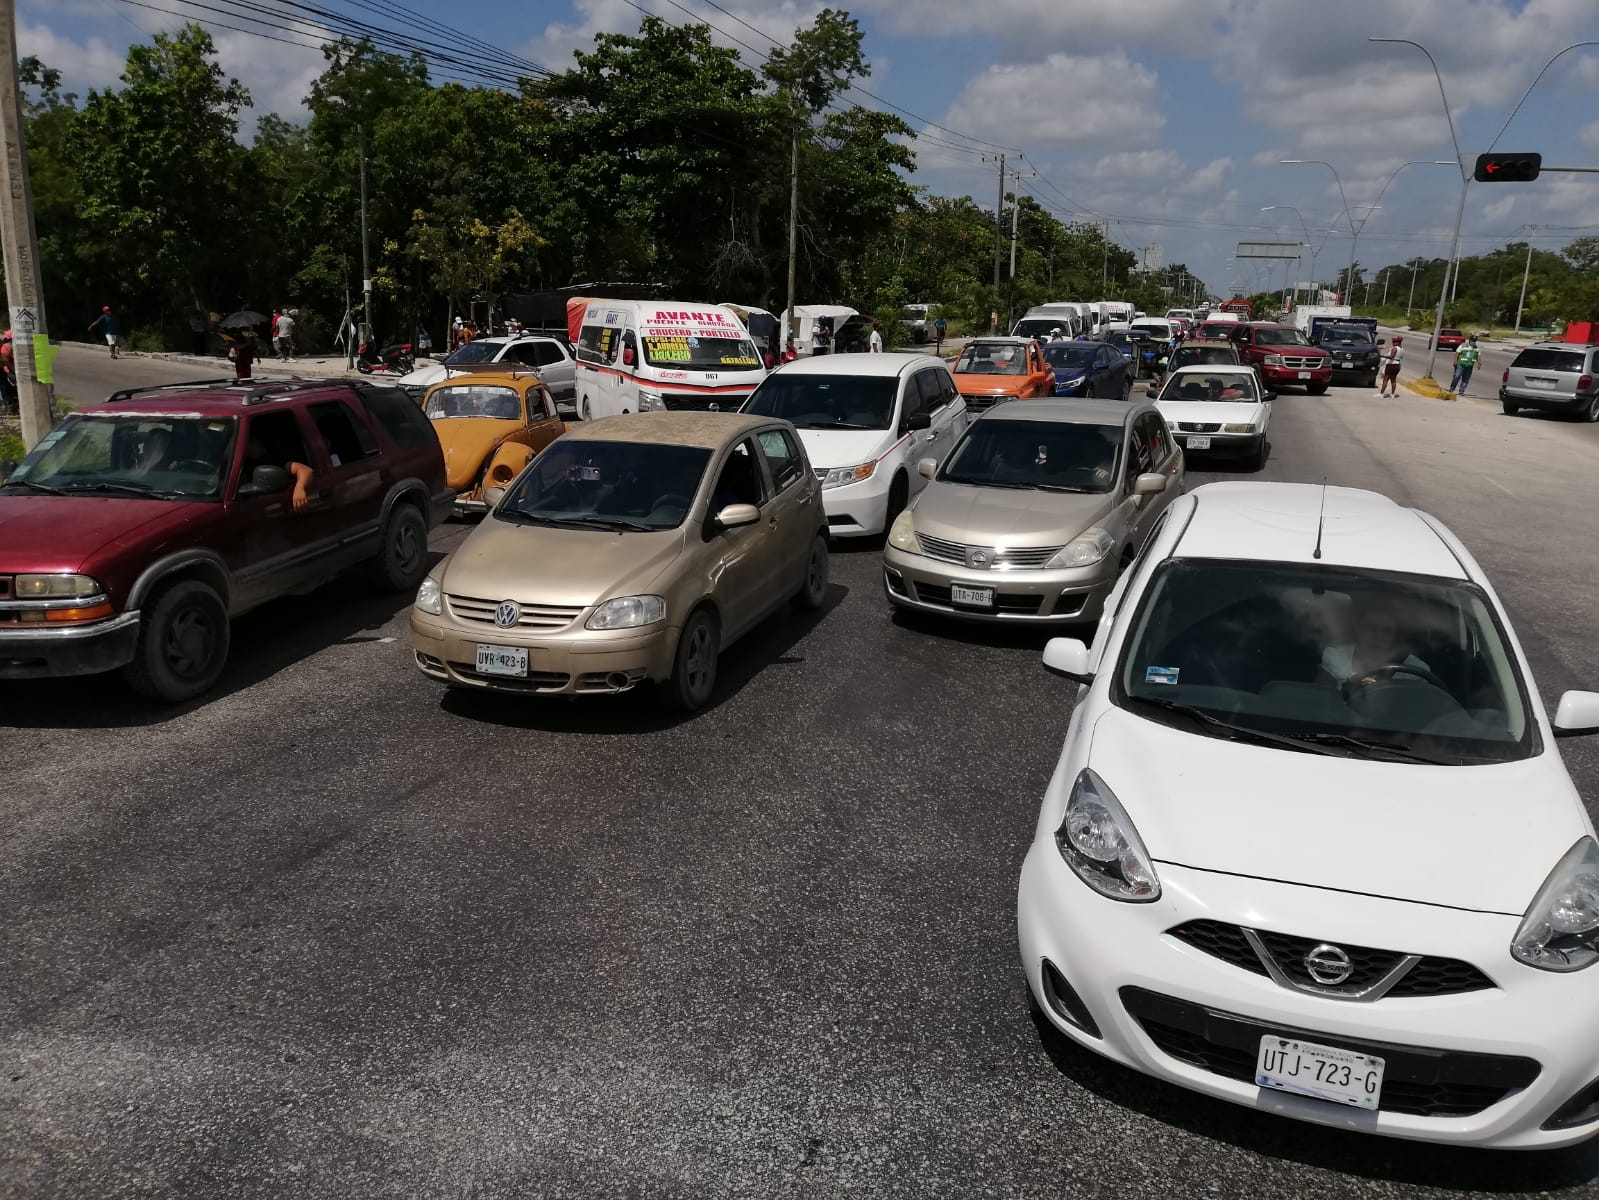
(1309, 846)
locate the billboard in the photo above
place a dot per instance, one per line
(1269, 250)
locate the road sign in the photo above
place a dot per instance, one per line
(23, 320)
(1507, 168)
(1269, 250)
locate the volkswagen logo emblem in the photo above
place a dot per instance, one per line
(507, 614)
(1328, 965)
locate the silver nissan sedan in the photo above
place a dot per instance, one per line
(1034, 513)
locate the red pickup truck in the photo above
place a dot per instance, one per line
(1282, 357)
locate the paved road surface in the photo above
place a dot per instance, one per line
(332, 933)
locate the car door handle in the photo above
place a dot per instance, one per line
(932, 436)
(805, 499)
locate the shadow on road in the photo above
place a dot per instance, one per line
(642, 710)
(1413, 1164)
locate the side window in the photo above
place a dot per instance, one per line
(522, 352)
(399, 415)
(931, 390)
(273, 439)
(598, 343)
(539, 405)
(782, 456)
(548, 354)
(946, 383)
(1138, 458)
(740, 481)
(345, 438)
(1150, 430)
(914, 402)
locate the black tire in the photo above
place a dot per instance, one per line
(1256, 458)
(1316, 389)
(694, 665)
(813, 589)
(402, 557)
(1511, 408)
(898, 496)
(1591, 413)
(364, 368)
(183, 643)
(585, 413)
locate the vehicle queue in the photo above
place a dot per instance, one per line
(1270, 865)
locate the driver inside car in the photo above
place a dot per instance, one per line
(1377, 642)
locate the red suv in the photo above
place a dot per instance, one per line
(136, 529)
(1282, 356)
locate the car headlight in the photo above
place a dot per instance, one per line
(1099, 843)
(902, 534)
(1084, 550)
(1561, 929)
(649, 401)
(1063, 384)
(1274, 360)
(627, 612)
(52, 587)
(430, 597)
(1238, 428)
(841, 476)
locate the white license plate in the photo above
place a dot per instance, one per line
(1199, 443)
(1542, 383)
(1324, 1072)
(501, 660)
(979, 596)
(1304, 374)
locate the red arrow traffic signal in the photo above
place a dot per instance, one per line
(1507, 168)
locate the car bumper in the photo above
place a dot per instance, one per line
(1549, 401)
(46, 651)
(859, 509)
(1221, 443)
(1137, 984)
(916, 582)
(561, 663)
(1363, 370)
(441, 505)
(1295, 375)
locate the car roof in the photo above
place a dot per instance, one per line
(498, 376)
(859, 364)
(1205, 343)
(1002, 340)
(1213, 369)
(1278, 522)
(709, 430)
(1579, 347)
(222, 397)
(1081, 412)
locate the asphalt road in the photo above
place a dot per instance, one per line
(331, 933)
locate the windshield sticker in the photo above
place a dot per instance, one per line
(579, 473)
(1163, 675)
(738, 360)
(1043, 456)
(663, 349)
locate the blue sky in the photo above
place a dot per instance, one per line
(1166, 117)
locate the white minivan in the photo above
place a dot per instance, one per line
(866, 421)
(657, 355)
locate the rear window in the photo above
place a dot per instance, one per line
(400, 417)
(1550, 360)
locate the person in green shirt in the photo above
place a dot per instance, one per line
(1465, 362)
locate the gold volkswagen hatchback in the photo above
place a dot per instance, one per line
(633, 548)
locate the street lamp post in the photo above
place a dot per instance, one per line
(1314, 250)
(1350, 279)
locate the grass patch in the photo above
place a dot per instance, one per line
(11, 448)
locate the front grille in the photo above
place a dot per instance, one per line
(1417, 1080)
(982, 403)
(703, 401)
(533, 681)
(533, 616)
(1429, 976)
(1000, 558)
(5, 587)
(1198, 426)
(1298, 363)
(1015, 604)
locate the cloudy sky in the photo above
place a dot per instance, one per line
(1165, 117)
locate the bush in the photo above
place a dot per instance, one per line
(11, 448)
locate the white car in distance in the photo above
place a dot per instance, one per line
(1309, 847)
(1217, 408)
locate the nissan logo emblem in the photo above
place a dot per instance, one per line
(977, 558)
(1328, 965)
(507, 614)
(714, 406)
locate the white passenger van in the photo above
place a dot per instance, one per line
(655, 355)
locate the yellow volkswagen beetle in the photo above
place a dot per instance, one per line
(491, 424)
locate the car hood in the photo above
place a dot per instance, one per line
(425, 376)
(49, 534)
(1211, 411)
(1482, 838)
(466, 442)
(988, 516)
(845, 447)
(990, 385)
(564, 567)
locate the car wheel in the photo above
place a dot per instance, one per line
(898, 495)
(183, 643)
(587, 414)
(813, 591)
(1511, 409)
(694, 665)
(1591, 413)
(1256, 458)
(402, 557)
(1316, 389)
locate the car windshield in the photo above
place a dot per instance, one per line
(1382, 665)
(1233, 387)
(981, 358)
(476, 352)
(473, 400)
(1154, 329)
(1046, 455)
(1197, 356)
(1217, 329)
(1344, 337)
(1069, 354)
(827, 401)
(692, 353)
(1280, 337)
(1033, 327)
(624, 486)
(155, 455)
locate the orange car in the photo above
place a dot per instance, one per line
(994, 369)
(491, 423)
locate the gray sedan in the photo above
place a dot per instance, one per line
(1035, 513)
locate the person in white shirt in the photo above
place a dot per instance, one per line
(875, 342)
(285, 335)
(1390, 368)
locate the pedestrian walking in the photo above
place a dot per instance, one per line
(8, 375)
(1391, 359)
(106, 323)
(874, 344)
(199, 330)
(422, 342)
(243, 352)
(284, 338)
(940, 327)
(1465, 362)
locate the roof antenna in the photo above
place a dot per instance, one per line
(1320, 513)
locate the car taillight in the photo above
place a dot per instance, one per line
(1505, 378)
(1584, 383)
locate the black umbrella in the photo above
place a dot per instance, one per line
(245, 318)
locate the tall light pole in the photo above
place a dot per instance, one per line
(1353, 235)
(1314, 250)
(1525, 272)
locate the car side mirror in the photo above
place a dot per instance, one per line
(1268, 397)
(264, 481)
(628, 357)
(1068, 658)
(1151, 391)
(927, 468)
(918, 421)
(736, 516)
(1577, 714)
(1150, 483)
(493, 495)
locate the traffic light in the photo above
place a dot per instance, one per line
(1507, 168)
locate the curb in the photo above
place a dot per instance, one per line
(1430, 388)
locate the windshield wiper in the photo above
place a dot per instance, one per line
(838, 425)
(1235, 733)
(967, 479)
(1059, 487)
(1369, 747)
(118, 485)
(618, 524)
(38, 487)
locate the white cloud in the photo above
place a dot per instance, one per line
(771, 20)
(1589, 136)
(1060, 101)
(85, 65)
(1186, 26)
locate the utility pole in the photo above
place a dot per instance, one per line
(1104, 271)
(1415, 265)
(24, 291)
(789, 333)
(1525, 272)
(1386, 273)
(366, 265)
(999, 220)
